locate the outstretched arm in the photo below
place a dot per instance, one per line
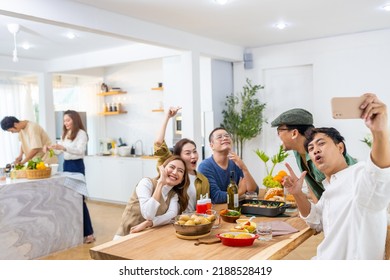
(375, 117)
(161, 134)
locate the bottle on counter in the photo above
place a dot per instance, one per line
(132, 151)
(232, 194)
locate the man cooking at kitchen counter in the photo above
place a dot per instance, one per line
(352, 210)
(32, 137)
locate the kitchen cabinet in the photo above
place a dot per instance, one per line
(118, 108)
(113, 179)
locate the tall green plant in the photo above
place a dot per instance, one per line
(243, 115)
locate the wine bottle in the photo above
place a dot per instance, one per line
(232, 193)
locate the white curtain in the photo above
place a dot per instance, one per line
(15, 100)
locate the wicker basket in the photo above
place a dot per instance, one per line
(38, 174)
(20, 174)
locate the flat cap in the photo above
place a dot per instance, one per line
(295, 116)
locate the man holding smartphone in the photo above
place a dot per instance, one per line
(352, 212)
(291, 127)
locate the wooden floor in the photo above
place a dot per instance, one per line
(106, 218)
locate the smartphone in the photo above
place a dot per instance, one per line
(347, 107)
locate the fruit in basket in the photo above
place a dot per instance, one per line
(36, 163)
(20, 167)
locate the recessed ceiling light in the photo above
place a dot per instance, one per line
(386, 7)
(221, 2)
(26, 46)
(70, 35)
(281, 25)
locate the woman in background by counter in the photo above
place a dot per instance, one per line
(186, 149)
(74, 144)
(157, 201)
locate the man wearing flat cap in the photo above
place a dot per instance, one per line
(292, 126)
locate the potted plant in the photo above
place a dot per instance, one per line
(243, 115)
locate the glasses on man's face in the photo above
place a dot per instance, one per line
(279, 129)
(222, 136)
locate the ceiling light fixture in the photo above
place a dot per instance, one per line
(13, 28)
(221, 2)
(281, 25)
(26, 46)
(386, 7)
(70, 35)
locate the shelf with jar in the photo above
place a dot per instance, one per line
(160, 106)
(112, 109)
(111, 92)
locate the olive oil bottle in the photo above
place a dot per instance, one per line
(232, 194)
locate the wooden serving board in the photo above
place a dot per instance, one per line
(191, 237)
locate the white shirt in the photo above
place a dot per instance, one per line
(352, 213)
(149, 205)
(191, 194)
(75, 149)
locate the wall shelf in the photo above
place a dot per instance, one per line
(158, 110)
(158, 88)
(112, 113)
(112, 92)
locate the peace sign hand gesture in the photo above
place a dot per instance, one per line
(292, 183)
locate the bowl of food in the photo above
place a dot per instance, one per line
(245, 225)
(237, 239)
(193, 224)
(229, 216)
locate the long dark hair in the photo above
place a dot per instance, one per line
(181, 188)
(77, 125)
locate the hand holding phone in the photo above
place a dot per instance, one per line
(347, 107)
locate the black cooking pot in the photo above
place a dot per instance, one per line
(266, 208)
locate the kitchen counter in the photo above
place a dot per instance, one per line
(39, 217)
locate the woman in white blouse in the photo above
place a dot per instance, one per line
(74, 144)
(157, 201)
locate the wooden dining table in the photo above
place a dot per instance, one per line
(162, 243)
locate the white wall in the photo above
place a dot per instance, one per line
(341, 66)
(140, 122)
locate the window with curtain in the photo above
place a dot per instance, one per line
(16, 100)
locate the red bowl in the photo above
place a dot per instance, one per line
(237, 242)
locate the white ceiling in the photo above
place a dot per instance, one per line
(246, 23)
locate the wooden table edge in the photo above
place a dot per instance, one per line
(269, 253)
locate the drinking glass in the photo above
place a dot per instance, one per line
(217, 222)
(2, 174)
(264, 230)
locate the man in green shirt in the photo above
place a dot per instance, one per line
(292, 126)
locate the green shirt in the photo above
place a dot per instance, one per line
(314, 177)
